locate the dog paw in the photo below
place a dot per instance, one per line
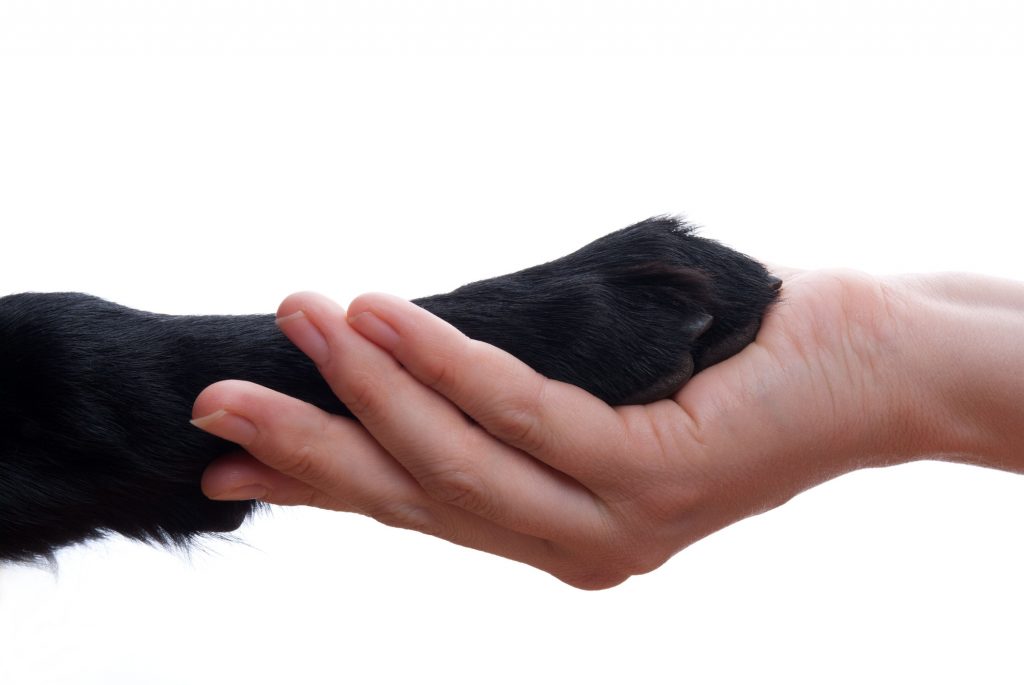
(629, 318)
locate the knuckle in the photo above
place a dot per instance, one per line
(458, 486)
(518, 423)
(298, 451)
(404, 515)
(363, 394)
(520, 427)
(301, 462)
(440, 369)
(439, 373)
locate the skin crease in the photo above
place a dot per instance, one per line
(847, 372)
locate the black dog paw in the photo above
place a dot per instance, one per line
(95, 397)
(629, 318)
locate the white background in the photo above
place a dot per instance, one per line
(213, 156)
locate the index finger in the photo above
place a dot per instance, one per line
(557, 423)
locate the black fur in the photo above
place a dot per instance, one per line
(95, 397)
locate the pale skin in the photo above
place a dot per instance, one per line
(460, 440)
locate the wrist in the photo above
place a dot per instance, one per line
(964, 367)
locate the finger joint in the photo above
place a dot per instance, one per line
(458, 486)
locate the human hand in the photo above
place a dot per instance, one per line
(460, 440)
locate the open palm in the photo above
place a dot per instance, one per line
(458, 439)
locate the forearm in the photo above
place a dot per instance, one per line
(966, 337)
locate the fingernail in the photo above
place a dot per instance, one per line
(374, 328)
(306, 336)
(224, 424)
(252, 491)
